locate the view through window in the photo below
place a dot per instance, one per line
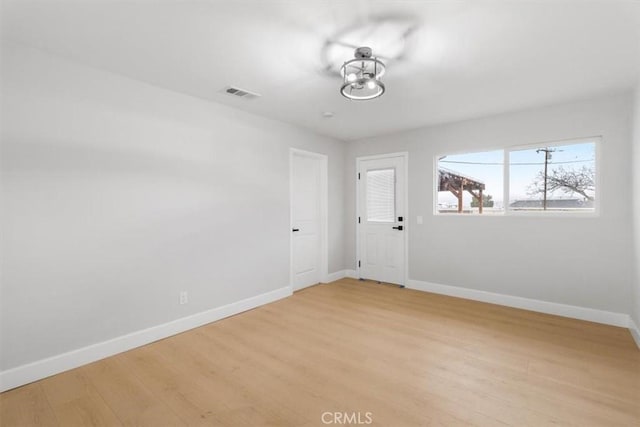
(545, 178)
(471, 183)
(553, 178)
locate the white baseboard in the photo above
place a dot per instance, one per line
(332, 277)
(352, 274)
(40, 369)
(572, 311)
(635, 331)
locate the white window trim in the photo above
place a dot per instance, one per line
(596, 212)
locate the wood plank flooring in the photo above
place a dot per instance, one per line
(407, 358)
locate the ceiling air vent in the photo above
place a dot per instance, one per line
(240, 93)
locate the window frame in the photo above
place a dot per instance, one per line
(506, 184)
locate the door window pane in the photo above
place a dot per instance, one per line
(381, 195)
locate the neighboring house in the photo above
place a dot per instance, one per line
(552, 204)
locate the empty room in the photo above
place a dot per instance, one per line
(319, 213)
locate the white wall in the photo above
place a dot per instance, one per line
(585, 262)
(635, 309)
(117, 195)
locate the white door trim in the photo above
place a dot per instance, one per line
(324, 214)
(405, 155)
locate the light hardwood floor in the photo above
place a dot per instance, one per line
(408, 358)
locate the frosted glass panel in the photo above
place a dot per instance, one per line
(381, 195)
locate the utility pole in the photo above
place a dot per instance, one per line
(547, 157)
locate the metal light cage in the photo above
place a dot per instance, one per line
(361, 76)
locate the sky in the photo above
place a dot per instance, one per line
(524, 165)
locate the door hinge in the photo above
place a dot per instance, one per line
(359, 265)
(358, 220)
(358, 175)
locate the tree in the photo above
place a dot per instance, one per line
(569, 181)
(487, 201)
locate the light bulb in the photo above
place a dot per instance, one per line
(371, 84)
(351, 77)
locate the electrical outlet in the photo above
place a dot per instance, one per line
(184, 297)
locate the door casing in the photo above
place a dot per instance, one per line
(405, 156)
(324, 215)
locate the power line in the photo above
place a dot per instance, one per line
(515, 164)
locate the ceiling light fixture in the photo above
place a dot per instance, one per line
(361, 76)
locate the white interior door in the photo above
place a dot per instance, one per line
(308, 177)
(382, 218)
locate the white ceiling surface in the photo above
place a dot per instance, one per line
(465, 60)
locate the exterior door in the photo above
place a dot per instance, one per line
(382, 218)
(306, 218)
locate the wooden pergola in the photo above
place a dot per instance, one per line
(457, 184)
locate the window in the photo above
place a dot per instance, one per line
(381, 195)
(470, 183)
(558, 177)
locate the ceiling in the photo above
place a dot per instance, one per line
(460, 59)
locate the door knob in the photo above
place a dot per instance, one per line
(295, 229)
(399, 228)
